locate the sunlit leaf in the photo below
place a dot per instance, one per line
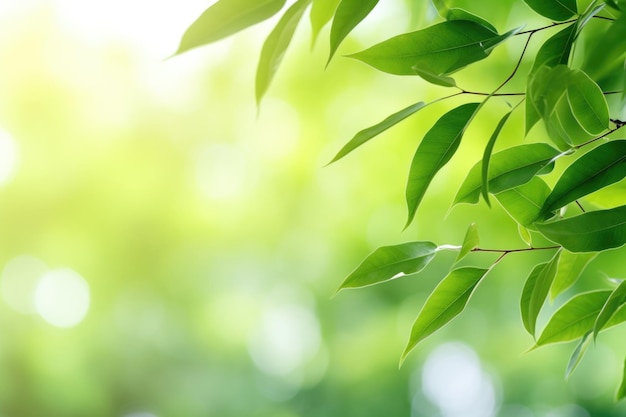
(621, 392)
(275, 46)
(372, 131)
(440, 49)
(587, 103)
(571, 266)
(446, 301)
(462, 14)
(508, 168)
(348, 15)
(438, 146)
(598, 168)
(487, 156)
(441, 6)
(558, 10)
(535, 292)
(470, 242)
(588, 232)
(616, 300)
(321, 13)
(226, 17)
(390, 262)
(574, 318)
(523, 203)
(577, 354)
(524, 234)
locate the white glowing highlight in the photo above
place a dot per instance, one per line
(62, 297)
(8, 157)
(222, 171)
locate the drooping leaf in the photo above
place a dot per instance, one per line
(535, 292)
(570, 268)
(588, 232)
(438, 146)
(508, 169)
(523, 203)
(390, 262)
(275, 46)
(462, 14)
(321, 13)
(440, 49)
(577, 354)
(348, 15)
(558, 10)
(470, 242)
(226, 17)
(487, 156)
(616, 300)
(574, 318)
(366, 134)
(446, 301)
(621, 392)
(598, 168)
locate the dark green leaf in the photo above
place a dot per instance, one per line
(508, 169)
(535, 292)
(390, 262)
(446, 302)
(438, 146)
(589, 232)
(462, 14)
(321, 13)
(558, 10)
(598, 168)
(487, 156)
(571, 266)
(226, 17)
(275, 46)
(348, 15)
(577, 355)
(470, 242)
(616, 300)
(556, 50)
(523, 203)
(372, 131)
(574, 318)
(621, 392)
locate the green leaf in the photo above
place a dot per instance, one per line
(616, 300)
(570, 268)
(577, 354)
(535, 292)
(470, 242)
(390, 262)
(621, 392)
(587, 103)
(556, 50)
(607, 52)
(441, 6)
(558, 10)
(226, 17)
(438, 146)
(574, 318)
(366, 134)
(462, 14)
(435, 79)
(588, 232)
(524, 234)
(440, 49)
(275, 46)
(523, 203)
(487, 156)
(348, 15)
(598, 168)
(447, 301)
(508, 169)
(321, 13)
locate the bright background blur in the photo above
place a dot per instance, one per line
(165, 251)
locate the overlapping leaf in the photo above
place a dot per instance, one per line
(615, 301)
(535, 292)
(558, 10)
(523, 203)
(321, 13)
(348, 15)
(487, 156)
(571, 266)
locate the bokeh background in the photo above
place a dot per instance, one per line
(168, 249)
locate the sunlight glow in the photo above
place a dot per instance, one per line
(222, 171)
(62, 297)
(18, 281)
(8, 157)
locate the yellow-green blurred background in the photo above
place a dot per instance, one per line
(167, 250)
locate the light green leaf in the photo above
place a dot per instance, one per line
(616, 300)
(470, 242)
(373, 131)
(621, 392)
(441, 6)
(462, 14)
(435, 79)
(558, 10)
(570, 268)
(348, 15)
(508, 169)
(577, 355)
(487, 156)
(226, 17)
(535, 292)
(587, 103)
(574, 318)
(447, 301)
(438, 146)
(588, 232)
(525, 235)
(275, 46)
(598, 168)
(440, 49)
(390, 262)
(321, 13)
(523, 203)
